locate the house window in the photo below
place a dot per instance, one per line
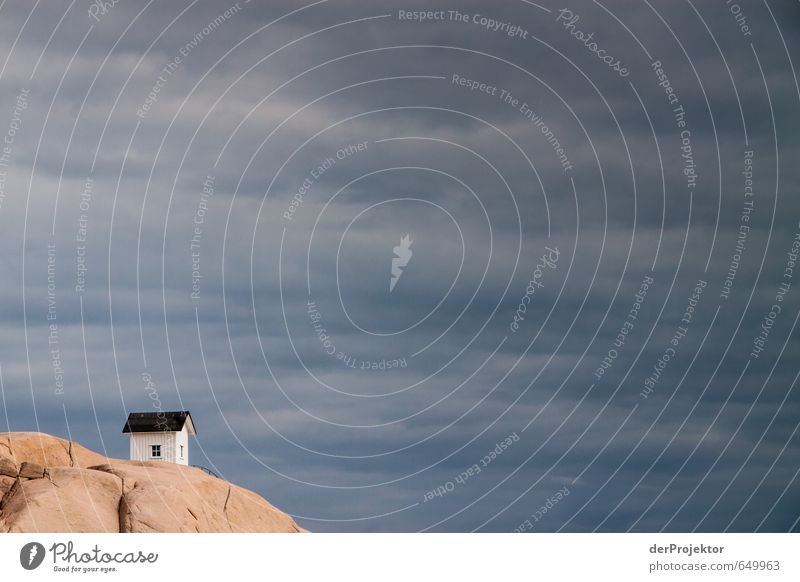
(181, 451)
(156, 450)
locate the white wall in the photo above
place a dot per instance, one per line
(182, 438)
(141, 442)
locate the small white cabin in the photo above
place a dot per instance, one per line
(160, 436)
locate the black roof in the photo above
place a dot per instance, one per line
(159, 421)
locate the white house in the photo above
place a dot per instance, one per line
(160, 436)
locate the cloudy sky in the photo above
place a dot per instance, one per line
(591, 325)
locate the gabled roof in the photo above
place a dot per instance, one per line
(159, 422)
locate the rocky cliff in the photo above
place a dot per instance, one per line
(48, 484)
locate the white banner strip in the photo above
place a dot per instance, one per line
(406, 557)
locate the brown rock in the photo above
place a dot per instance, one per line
(245, 507)
(6, 483)
(8, 495)
(46, 450)
(173, 498)
(8, 467)
(126, 496)
(70, 500)
(31, 470)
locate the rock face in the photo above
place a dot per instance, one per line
(48, 484)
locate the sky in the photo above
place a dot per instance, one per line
(463, 266)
